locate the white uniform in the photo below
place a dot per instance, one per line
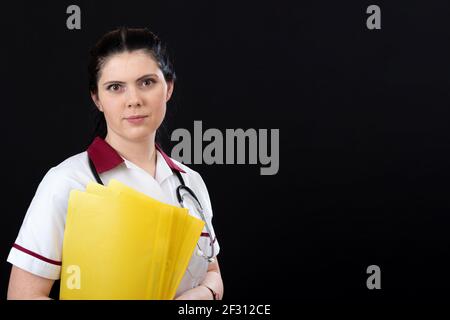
(38, 247)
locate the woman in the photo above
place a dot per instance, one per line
(131, 80)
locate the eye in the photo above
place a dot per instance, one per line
(114, 87)
(147, 82)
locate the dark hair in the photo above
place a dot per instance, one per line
(121, 40)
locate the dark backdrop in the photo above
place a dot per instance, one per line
(364, 132)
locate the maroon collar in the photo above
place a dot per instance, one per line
(106, 157)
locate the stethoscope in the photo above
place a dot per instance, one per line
(182, 191)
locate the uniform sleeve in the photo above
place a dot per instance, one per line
(38, 247)
(206, 201)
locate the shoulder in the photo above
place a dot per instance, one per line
(71, 173)
(75, 163)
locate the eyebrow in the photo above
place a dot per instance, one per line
(138, 79)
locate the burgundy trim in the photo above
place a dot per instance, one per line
(169, 161)
(31, 253)
(206, 234)
(105, 157)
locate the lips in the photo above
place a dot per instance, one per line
(136, 117)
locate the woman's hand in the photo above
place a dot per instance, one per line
(212, 280)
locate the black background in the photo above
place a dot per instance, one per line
(364, 133)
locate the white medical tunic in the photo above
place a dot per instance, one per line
(38, 247)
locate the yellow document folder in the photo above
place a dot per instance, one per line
(122, 244)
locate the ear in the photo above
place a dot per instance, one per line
(170, 85)
(96, 100)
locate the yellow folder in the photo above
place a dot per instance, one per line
(122, 244)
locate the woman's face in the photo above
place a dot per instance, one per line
(131, 85)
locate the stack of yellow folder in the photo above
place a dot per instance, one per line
(122, 244)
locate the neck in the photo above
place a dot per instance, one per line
(140, 152)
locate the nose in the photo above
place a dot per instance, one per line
(134, 99)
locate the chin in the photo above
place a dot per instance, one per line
(140, 134)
